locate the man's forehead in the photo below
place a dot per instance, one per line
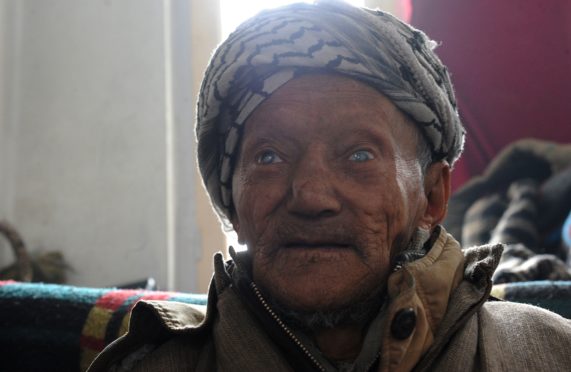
(332, 96)
(340, 106)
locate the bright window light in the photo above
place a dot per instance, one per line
(234, 12)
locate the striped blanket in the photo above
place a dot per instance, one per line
(49, 327)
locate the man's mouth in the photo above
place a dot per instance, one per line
(316, 245)
(325, 239)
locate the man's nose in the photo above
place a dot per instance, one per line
(313, 191)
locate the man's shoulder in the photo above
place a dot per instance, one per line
(516, 315)
(521, 335)
(156, 327)
(171, 315)
(178, 353)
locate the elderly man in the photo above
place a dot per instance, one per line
(326, 134)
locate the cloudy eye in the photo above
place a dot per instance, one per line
(361, 156)
(268, 157)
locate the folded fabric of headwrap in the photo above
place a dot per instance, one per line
(277, 45)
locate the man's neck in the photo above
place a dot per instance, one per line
(342, 343)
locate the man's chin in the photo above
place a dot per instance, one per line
(320, 288)
(327, 313)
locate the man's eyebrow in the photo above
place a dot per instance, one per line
(268, 138)
(270, 132)
(374, 134)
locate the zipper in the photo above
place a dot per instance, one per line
(368, 369)
(285, 328)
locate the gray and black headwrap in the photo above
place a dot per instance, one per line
(275, 46)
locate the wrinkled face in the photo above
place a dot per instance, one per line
(327, 188)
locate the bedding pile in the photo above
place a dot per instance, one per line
(522, 200)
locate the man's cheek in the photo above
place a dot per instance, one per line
(374, 220)
(256, 231)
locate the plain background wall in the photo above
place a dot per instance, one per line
(4, 254)
(97, 141)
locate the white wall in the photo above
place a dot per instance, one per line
(97, 138)
(7, 130)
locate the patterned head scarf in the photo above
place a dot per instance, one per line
(277, 45)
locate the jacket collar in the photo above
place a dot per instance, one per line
(468, 296)
(442, 289)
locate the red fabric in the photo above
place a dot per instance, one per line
(113, 300)
(91, 343)
(510, 62)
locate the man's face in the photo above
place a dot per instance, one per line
(327, 189)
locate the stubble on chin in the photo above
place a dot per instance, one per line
(358, 312)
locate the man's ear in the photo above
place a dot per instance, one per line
(437, 191)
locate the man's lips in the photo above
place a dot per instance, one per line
(316, 245)
(303, 252)
(292, 237)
